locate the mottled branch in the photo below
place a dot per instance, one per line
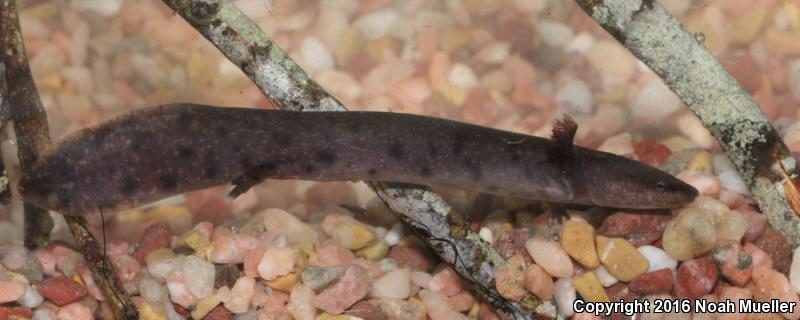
(291, 88)
(30, 120)
(724, 107)
(30, 125)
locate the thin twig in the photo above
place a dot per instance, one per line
(30, 124)
(724, 107)
(425, 212)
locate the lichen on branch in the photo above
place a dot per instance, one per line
(725, 108)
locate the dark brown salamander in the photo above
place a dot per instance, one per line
(154, 153)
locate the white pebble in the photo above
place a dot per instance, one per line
(655, 101)
(606, 278)
(199, 276)
(555, 34)
(494, 53)
(161, 268)
(394, 235)
(580, 43)
(316, 55)
(529, 6)
(565, 296)
(151, 290)
(79, 48)
(31, 298)
(393, 285)
(486, 234)
(375, 25)
(43, 314)
(620, 144)
(106, 8)
(732, 181)
(692, 128)
(575, 98)
(148, 69)
(462, 76)
(722, 163)
(658, 259)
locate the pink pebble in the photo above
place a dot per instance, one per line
(331, 220)
(538, 282)
(761, 260)
(74, 311)
(462, 301)
(232, 249)
(771, 284)
(373, 267)
(276, 262)
(91, 285)
(11, 291)
(179, 289)
(127, 267)
(354, 285)
(706, 185)
(446, 281)
(251, 261)
(117, 248)
(421, 279)
(757, 224)
(156, 236)
(61, 290)
(47, 260)
(331, 254)
(205, 227)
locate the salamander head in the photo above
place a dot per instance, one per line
(619, 182)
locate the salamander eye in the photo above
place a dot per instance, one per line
(661, 186)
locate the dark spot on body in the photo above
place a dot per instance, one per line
(473, 169)
(63, 168)
(425, 172)
(129, 185)
(185, 119)
(458, 143)
(221, 132)
(309, 168)
(228, 32)
(516, 157)
(372, 171)
(186, 152)
(433, 150)
(354, 127)
(139, 142)
(325, 157)
(64, 200)
(99, 138)
(493, 188)
(529, 172)
(246, 161)
(211, 168)
(282, 139)
(167, 182)
(215, 23)
(396, 150)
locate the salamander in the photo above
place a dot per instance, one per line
(153, 153)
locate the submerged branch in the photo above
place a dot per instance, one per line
(724, 107)
(30, 120)
(30, 125)
(289, 87)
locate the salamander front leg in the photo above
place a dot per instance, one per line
(250, 178)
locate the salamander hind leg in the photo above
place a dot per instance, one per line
(250, 178)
